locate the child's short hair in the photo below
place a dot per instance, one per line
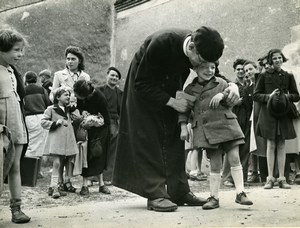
(59, 91)
(8, 38)
(30, 77)
(46, 73)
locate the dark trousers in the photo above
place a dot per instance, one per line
(111, 155)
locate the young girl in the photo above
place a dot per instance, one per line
(11, 96)
(274, 129)
(215, 129)
(61, 141)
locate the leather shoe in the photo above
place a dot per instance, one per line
(212, 203)
(104, 189)
(161, 205)
(190, 199)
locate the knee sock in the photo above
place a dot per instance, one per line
(54, 181)
(215, 181)
(237, 175)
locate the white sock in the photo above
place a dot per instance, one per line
(54, 181)
(215, 181)
(238, 178)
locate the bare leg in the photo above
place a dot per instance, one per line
(14, 176)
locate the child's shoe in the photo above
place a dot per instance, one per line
(68, 187)
(56, 193)
(270, 183)
(282, 183)
(84, 191)
(50, 191)
(104, 189)
(242, 199)
(61, 190)
(211, 203)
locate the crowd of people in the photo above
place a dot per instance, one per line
(135, 139)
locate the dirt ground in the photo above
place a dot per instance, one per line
(272, 208)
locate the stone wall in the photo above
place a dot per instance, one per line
(52, 25)
(249, 28)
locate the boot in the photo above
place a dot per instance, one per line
(17, 215)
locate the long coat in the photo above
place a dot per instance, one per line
(266, 84)
(61, 139)
(96, 104)
(150, 153)
(211, 126)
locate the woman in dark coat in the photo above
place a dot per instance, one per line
(92, 100)
(272, 127)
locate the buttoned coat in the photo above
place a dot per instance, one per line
(211, 126)
(5, 88)
(267, 125)
(63, 78)
(61, 139)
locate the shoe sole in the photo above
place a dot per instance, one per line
(191, 205)
(159, 209)
(210, 208)
(20, 222)
(245, 203)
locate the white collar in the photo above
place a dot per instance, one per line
(10, 69)
(72, 73)
(185, 44)
(62, 107)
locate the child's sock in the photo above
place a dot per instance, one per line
(237, 175)
(215, 181)
(67, 179)
(54, 180)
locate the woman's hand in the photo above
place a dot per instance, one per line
(276, 91)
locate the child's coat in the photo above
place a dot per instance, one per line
(61, 139)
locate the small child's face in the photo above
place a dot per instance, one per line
(205, 71)
(64, 98)
(11, 57)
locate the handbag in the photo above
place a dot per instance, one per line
(95, 149)
(293, 112)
